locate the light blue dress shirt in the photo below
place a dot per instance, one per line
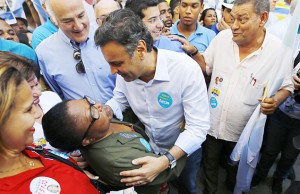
(42, 32)
(56, 60)
(18, 48)
(168, 44)
(176, 92)
(201, 38)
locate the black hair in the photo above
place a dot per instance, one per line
(138, 6)
(173, 5)
(204, 14)
(125, 28)
(60, 128)
(23, 38)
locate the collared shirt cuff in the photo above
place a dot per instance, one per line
(116, 108)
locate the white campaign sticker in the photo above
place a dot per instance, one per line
(44, 185)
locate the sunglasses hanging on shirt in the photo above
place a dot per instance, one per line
(77, 56)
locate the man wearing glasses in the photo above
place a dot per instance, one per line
(108, 145)
(148, 11)
(71, 63)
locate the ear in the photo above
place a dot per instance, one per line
(263, 18)
(141, 49)
(87, 141)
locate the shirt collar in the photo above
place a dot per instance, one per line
(198, 31)
(161, 72)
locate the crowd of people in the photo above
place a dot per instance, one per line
(139, 95)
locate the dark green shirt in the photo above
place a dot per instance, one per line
(115, 153)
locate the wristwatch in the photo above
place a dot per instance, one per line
(172, 160)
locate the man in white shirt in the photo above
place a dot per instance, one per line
(240, 61)
(164, 89)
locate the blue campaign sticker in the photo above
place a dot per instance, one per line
(164, 100)
(146, 144)
(128, 135)
(60, 154)
(213, 102)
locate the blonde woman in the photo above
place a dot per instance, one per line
(23, 170)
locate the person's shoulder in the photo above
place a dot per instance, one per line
(205, 31)
(48, 42)
(177, 60)
(168, 44)
(173, 28)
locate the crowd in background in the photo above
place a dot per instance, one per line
(139, 95)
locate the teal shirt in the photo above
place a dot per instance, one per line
(42, 32)
(18, 48)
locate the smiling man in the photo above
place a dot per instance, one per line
(148, 11)
(238, 79)
(71, 63)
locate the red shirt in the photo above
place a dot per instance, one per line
(54, 178)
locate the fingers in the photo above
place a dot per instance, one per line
(296, 81)
(134, 181)
(268, 106)
(90, 175)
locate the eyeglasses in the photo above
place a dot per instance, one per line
(79, 66)
(94, 113)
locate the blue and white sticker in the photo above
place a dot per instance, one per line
(164, 100)
(60, 154)
(128, 135)
(213, 102)
(146, 144)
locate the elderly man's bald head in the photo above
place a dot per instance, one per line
(105, 7)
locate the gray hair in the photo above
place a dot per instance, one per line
(260, 6)
(125, 28)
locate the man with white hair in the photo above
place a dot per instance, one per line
(70, 62)
(50, 26)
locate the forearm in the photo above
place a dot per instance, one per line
(281, 96)
(200, 60)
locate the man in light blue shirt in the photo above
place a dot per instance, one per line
(167, 92)
(18, 48)
(71, 63)
(148, 11)
(188, 26)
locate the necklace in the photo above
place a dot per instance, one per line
(29, 163)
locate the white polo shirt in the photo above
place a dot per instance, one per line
(236, 85)
(177, 92)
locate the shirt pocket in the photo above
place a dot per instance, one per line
(253, 93)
